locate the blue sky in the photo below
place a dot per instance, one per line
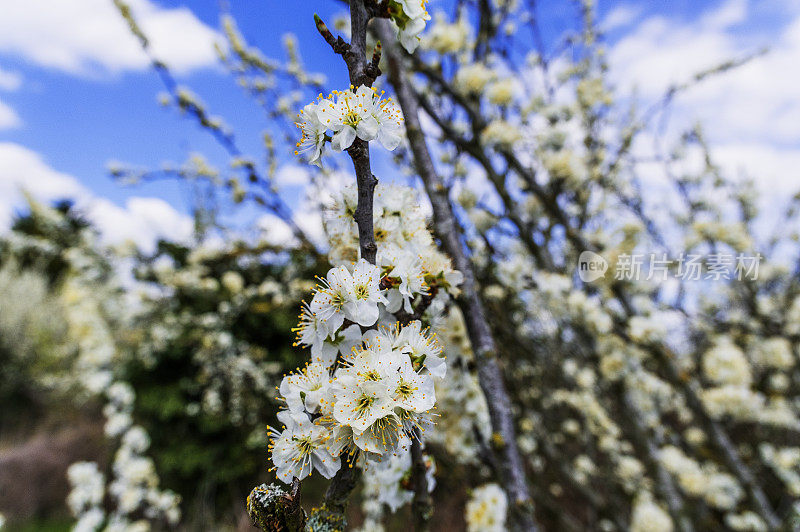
(89, 99)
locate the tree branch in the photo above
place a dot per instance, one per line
(361, 73)
(423, 506)
(332, 513)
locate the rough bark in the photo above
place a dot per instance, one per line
(359, 153)
(361, 72)
(271, 508)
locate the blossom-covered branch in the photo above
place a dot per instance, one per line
(368, 392)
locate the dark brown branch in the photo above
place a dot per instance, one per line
(332, 514)
(338, 44)
(361, 73)
(359, 153)
(338, 493)
(405, 318)
(373, 70)
(355, 52)
(423, 506)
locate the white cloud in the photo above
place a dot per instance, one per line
(23, 169)
(751, 113)
(87, 36)
(10, 81)
(729, 14)
(291, 175)
(308, 217)
(620, 17)
(142, 220)
(9, 119)
(774, 167)
(275, 231)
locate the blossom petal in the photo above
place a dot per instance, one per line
(343, 139)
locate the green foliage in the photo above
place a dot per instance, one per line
(209, 353)
(216, 323)
(45, 235)
(34, 346)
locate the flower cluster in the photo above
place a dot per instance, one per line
(88, 489)
(447, 38)
(369, 386)
(407, 254)
(90, 327)
(648, 516)
(726, 364)
(749, 521)
(348, 114)
(486, 510)
(134, 487)
(719, 490)
(785, 463)
(410, 18)
(363, 401)
(231, 373)
(459, 395)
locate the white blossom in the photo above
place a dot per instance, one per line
(313, 136)
(486, 509)
(301, 448)
(352, 114)
(649, 517)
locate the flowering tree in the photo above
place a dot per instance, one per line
(368, 392)
(584, 387)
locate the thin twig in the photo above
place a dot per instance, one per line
(273, 201)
